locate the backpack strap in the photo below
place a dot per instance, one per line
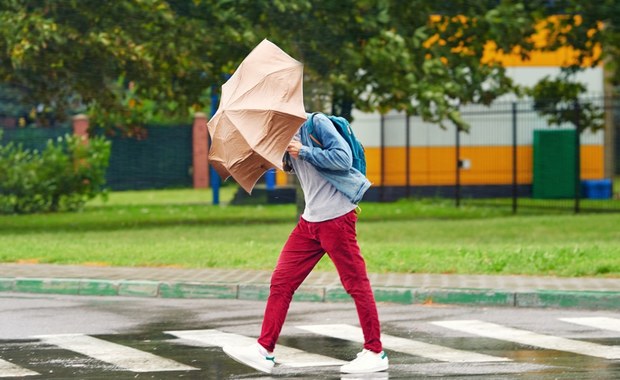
(311, 130)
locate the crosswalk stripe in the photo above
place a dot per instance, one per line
(603, 323)
(407, 346)
(121, 356)
(8, 369)
(492, 330)
(285, 356)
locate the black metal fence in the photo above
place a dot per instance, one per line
(512, 157)
(33, 138)
(161, 158)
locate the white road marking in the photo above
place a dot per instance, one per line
(603, 323)
(122, 356)
(407, 346)
(8, 369)
(494, 331)
(285, 356)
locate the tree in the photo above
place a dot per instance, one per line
(590, 29)
(559, 101)
(422, 57)
(427, 58)
(127, 60)
(436, 64)
(122, 60)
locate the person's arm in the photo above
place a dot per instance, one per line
(335, 154)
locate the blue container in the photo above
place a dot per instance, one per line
(270, 179)
(596, 189)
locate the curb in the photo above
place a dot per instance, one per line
(605, 300)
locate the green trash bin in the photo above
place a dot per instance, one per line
(554, 164)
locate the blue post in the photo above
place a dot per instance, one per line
(270, 179)
(215, 178)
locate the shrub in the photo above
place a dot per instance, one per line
(62, 177)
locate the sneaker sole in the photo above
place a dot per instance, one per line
(376, 369)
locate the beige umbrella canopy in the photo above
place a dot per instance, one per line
(260, 110)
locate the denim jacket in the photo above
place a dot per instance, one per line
(334, 160)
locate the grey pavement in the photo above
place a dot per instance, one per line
(242, 276)
(530, 291)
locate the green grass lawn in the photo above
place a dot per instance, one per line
(182, 228)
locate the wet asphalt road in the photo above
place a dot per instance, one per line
(148, 326)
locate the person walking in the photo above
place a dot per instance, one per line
(332, 189)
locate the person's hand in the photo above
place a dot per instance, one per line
(293, 148)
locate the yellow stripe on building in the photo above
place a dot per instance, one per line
(488, 165)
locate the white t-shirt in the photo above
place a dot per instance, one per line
(323, 200)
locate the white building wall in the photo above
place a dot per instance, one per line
(490, 128)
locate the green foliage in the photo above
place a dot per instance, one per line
(10, 102)
(71, 53)
(428, 62)
(590, 28)
(558, 100)
(66, 174)
(422, 57)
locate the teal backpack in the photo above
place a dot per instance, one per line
(344, 128)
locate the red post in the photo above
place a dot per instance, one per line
(200, 151)
(80, 127)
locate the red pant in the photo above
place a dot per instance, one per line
(304, 248)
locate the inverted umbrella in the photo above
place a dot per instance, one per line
(261, 109)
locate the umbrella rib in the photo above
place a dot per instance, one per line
(260, 110)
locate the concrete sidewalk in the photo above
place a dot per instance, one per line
(520, 291)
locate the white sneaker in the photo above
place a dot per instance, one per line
(367, 361)
(254, 356)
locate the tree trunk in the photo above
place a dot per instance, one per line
(342, 104)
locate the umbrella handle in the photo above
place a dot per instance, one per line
(287, 164)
